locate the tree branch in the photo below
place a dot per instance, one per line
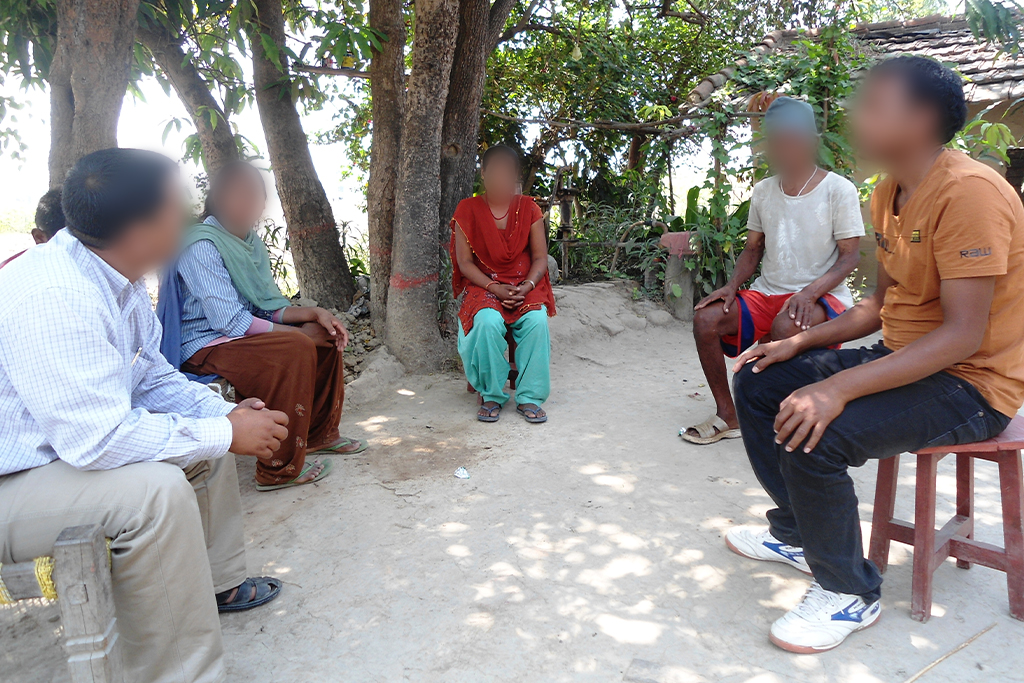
(646, 128)
(523, 28)
(500, 10)
(519, 26)
(696, 17)
(330, 71)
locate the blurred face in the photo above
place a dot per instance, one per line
(241, 203)
(501, 177)
(886, 124)
(790, 153)
(153, 241)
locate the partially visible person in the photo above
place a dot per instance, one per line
(804, 230)
(49, 218)
(949, 369)
(235, 323)
(500, 261)
(99, 429)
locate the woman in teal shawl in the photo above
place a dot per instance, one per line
(235, 323)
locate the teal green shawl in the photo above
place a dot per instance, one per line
(247, 262)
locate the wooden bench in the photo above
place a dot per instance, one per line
(956, 537)
(78, 577)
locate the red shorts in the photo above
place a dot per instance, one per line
(758, 312)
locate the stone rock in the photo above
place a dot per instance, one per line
(612, 327)
(659, 317)
(633, 322)
(553, 269)
(380, 371)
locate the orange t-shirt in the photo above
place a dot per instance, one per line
(963, 221)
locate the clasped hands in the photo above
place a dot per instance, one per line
(510, 296)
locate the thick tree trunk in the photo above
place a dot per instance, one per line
(480, 24)
(320, 263)
(461, 131)
(387, 91)
(88, 78)
(412, 331)
(211, 123)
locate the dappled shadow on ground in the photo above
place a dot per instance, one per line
(586, 549)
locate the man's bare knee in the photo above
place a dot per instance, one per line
(784, 327)
(706, 321)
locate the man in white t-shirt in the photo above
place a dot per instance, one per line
(804, 230)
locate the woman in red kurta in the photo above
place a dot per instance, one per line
(500, 260)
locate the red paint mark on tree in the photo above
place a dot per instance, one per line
(312, 230)
(399, 281)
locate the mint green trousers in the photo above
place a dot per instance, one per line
(483, 356)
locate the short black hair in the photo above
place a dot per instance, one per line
(223, 177)
(930, 83)
(108, 190)
(500, 151)
(49, 214)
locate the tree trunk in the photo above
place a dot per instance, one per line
(320, 264)
(636, 152)
(387, 91)
(412, 330)
(461, 130)
(480, 25)
(211, 123)
(88, 78)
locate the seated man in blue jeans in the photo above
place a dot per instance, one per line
(950, 369)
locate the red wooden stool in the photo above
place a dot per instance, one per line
(956, 538)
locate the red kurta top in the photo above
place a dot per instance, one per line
(503, 255)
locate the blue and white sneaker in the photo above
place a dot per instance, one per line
(757, 543)
(822, 621)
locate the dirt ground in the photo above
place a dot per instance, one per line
(586, 549)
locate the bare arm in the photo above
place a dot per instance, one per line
(539, 259)
(801, 305)
(861, 320)
(315, 322)
(746, 264)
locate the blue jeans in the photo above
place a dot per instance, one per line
(816, 507)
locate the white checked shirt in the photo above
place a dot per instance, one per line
(81, 374)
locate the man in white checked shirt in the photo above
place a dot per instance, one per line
(99, 428)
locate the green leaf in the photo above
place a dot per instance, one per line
(677, 291)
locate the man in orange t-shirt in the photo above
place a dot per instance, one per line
(950, 368)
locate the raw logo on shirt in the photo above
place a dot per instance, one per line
(883, 242)
(975, 253)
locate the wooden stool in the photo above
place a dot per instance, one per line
(956, 537)
(78, 577)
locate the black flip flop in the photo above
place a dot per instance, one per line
(267, 588)
(492, 413)
(536, 419)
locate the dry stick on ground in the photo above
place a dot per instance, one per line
(949, 654)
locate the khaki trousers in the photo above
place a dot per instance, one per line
(177, 540)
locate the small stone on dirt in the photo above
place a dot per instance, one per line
(658, 317)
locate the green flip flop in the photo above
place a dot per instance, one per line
(328, 466)
(345, 441)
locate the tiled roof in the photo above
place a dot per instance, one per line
(991, 76)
